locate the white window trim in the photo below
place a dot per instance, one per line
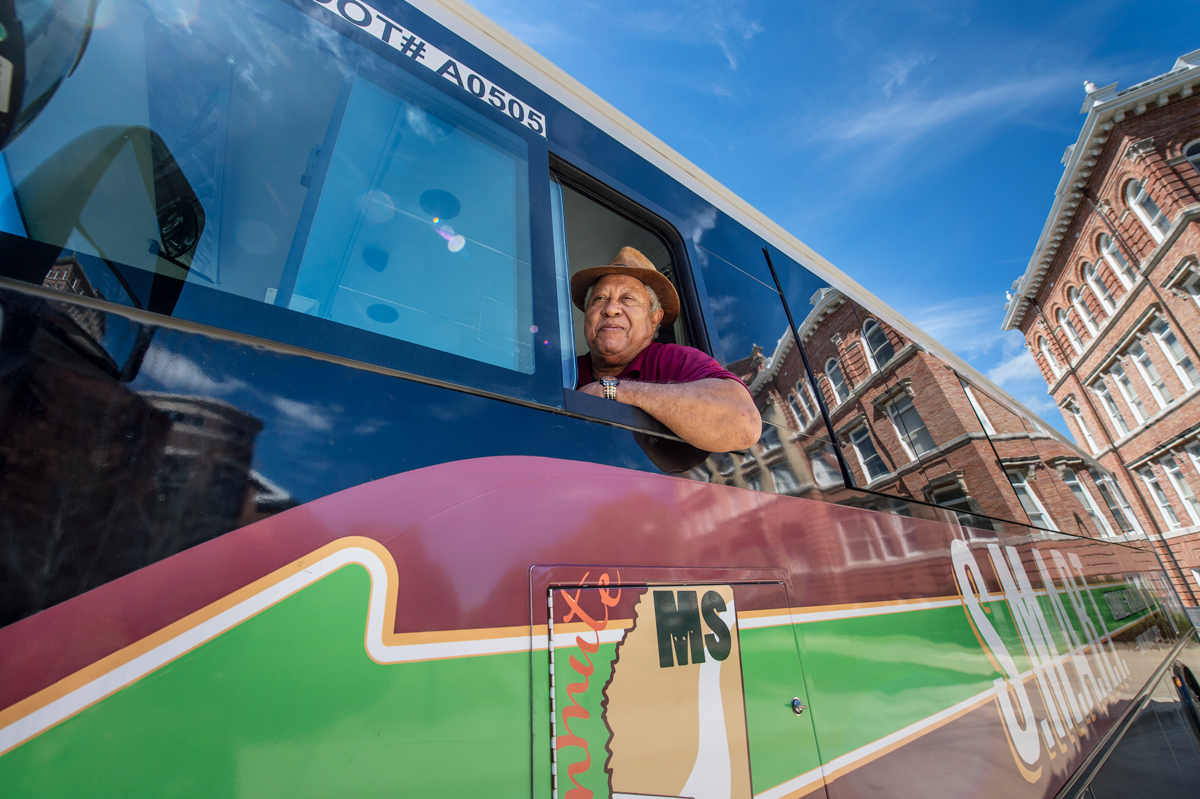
(1073, 409)
(1180, 485)
(1114, 489)
(1072, 334)
(1142, 371)
(872, 361)
(1100, 388)
(1092, 277)
(854, 444)
(1044, 348)
(1050, 523)
(838, 399)
(1090, 505)
(1116, 261)
(983, 417)
(1085, 313)
(1180, 372)
(1158, 225)
(904, 440)
(1129, 394)
(1160, 497)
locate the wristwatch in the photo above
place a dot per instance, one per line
(610, 387)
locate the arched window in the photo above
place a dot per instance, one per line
(1192, 154)
(1146, 209)
(879, 348)
(1081, 308)
(1044, 349)
(1068, 327)
(1108, 248)
(1099, 289)
(837, 381)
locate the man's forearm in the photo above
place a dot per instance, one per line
(714, 414)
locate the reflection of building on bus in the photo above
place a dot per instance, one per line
(80, 505)
(909, 426)
(67, 275)
(1110, 302)
(207, 463)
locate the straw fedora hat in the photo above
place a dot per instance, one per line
(629, 262)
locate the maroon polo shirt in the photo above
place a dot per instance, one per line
(664, 363)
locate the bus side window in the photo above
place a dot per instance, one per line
(589, 233)
(315, 193)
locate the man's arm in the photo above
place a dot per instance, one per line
(715, 414)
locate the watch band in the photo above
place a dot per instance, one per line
(610, 387)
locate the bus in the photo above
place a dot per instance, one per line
(299, 495)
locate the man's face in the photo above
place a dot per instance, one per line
(618, 323)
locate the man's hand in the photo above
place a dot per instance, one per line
(714, 414)
(596, 389)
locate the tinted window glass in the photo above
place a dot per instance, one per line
(246, 166)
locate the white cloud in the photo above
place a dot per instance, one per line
(179, 374)
(897, 70)
(968, 325)
(312, 416)
(899, 122)
(1015, 369)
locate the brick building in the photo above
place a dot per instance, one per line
(909, 427)
(1110, 302)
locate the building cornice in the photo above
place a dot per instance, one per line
(1105, 107)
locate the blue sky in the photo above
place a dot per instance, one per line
(916, 145)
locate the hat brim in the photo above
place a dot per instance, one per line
(582, 280)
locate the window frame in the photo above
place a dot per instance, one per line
(838, 397)
(856, 442)
(1156, 224)
(1149, 374)
(1111, 254)
(871, 349)
(1180, 362)
(1075, 296)
(905, 437)
(1089, 504)
(1105, 297)
(1068, 327)
(1051, 361)
(1039, 508)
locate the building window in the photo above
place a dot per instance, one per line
(1192, 286)
(1125, 386)
(1146, 209)
(785, 480)
(1192, 154)
(1108, 248)
(1117, 504)
(804, 392)
(879, 348)
(1180, 484)
(873, 465)
(1141, 359)
(983, 418)
(794, 404)
(825, 473)
(1038, 516)
(1081, 308)
(837, 381)
(1068, 327)
(910, 427)
(1100, 388)
(1160, 497)
(1051, 361)
(754, 482)
(769, 440)
(725, 464)
(1103, 295)
(1085, 499)
(1178, 359)
(1072, 408)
